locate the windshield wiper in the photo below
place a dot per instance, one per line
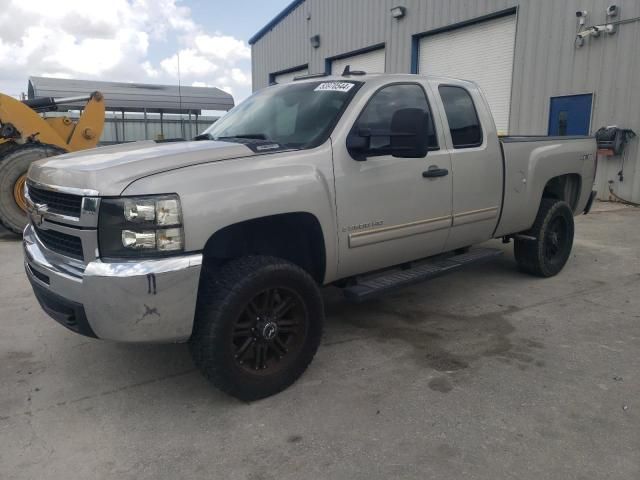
(251, 136)
(203, 136)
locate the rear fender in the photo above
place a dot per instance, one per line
(529, 166)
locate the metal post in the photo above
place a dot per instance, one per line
(115, 127)
(197, 129)
(146, 127)
(123, 134)
(190, 126)
(161, 126)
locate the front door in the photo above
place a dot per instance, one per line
(388, 212)
(570, 115)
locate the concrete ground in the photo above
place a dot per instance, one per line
(483, 374)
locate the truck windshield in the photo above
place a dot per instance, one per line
(295, 115)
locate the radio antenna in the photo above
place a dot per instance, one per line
(182, 132)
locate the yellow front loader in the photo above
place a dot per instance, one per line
(25, 137)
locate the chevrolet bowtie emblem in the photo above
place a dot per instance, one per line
(37, 212)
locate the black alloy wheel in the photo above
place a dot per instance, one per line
(545, 248)
(258, 325)
(270, 331)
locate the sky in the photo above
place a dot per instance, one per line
(132, 41)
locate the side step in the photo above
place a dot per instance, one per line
(386, 282)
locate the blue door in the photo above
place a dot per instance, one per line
(570, 115)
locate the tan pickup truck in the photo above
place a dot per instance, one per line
(366, 182)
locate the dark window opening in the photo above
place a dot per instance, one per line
(466, 131)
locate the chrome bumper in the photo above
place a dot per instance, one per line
(143, 301)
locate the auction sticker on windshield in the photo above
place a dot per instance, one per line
(334, 87)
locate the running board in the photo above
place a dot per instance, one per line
(378, 285)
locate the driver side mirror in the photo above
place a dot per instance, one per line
(407, 137)
(410, 133)
(358, 144)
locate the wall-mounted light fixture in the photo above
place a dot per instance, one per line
(315, 41)
(398, 12)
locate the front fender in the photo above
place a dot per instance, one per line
(220, 194)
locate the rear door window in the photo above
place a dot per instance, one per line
(464, 125)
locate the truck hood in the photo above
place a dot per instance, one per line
(108, 170)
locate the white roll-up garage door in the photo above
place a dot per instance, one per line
(289, 76)
(482, 52)
(370, 62)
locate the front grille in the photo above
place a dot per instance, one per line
(56, 202)
(61, 243)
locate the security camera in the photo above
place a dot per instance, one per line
(612, 10)
(595, 31)
(582, 15)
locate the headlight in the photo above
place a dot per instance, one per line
(140, 226)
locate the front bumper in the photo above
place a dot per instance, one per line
(141, 301)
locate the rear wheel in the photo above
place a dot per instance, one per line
(14, 165)
(258, 325)
(548, 251)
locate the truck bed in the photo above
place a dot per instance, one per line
(539, 138)
(529, 161)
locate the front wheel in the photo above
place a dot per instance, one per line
(547, 252)
(258, 325)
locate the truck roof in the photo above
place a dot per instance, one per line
(379, 78)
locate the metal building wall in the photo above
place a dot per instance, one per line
(546, 61)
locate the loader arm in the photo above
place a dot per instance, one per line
(89, 126)
(20, 123)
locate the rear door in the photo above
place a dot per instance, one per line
(388, 212)
(476, 162)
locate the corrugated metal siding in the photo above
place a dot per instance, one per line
(546, 62)
(482, 52)
(135, 97)
(289, 76)
(370, 62)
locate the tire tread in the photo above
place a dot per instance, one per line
(528, 252)
(219, 286)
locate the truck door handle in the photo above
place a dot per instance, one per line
(434, 171)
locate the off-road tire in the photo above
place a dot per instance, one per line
(541, 257)
(15, 162)
(223, 299)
